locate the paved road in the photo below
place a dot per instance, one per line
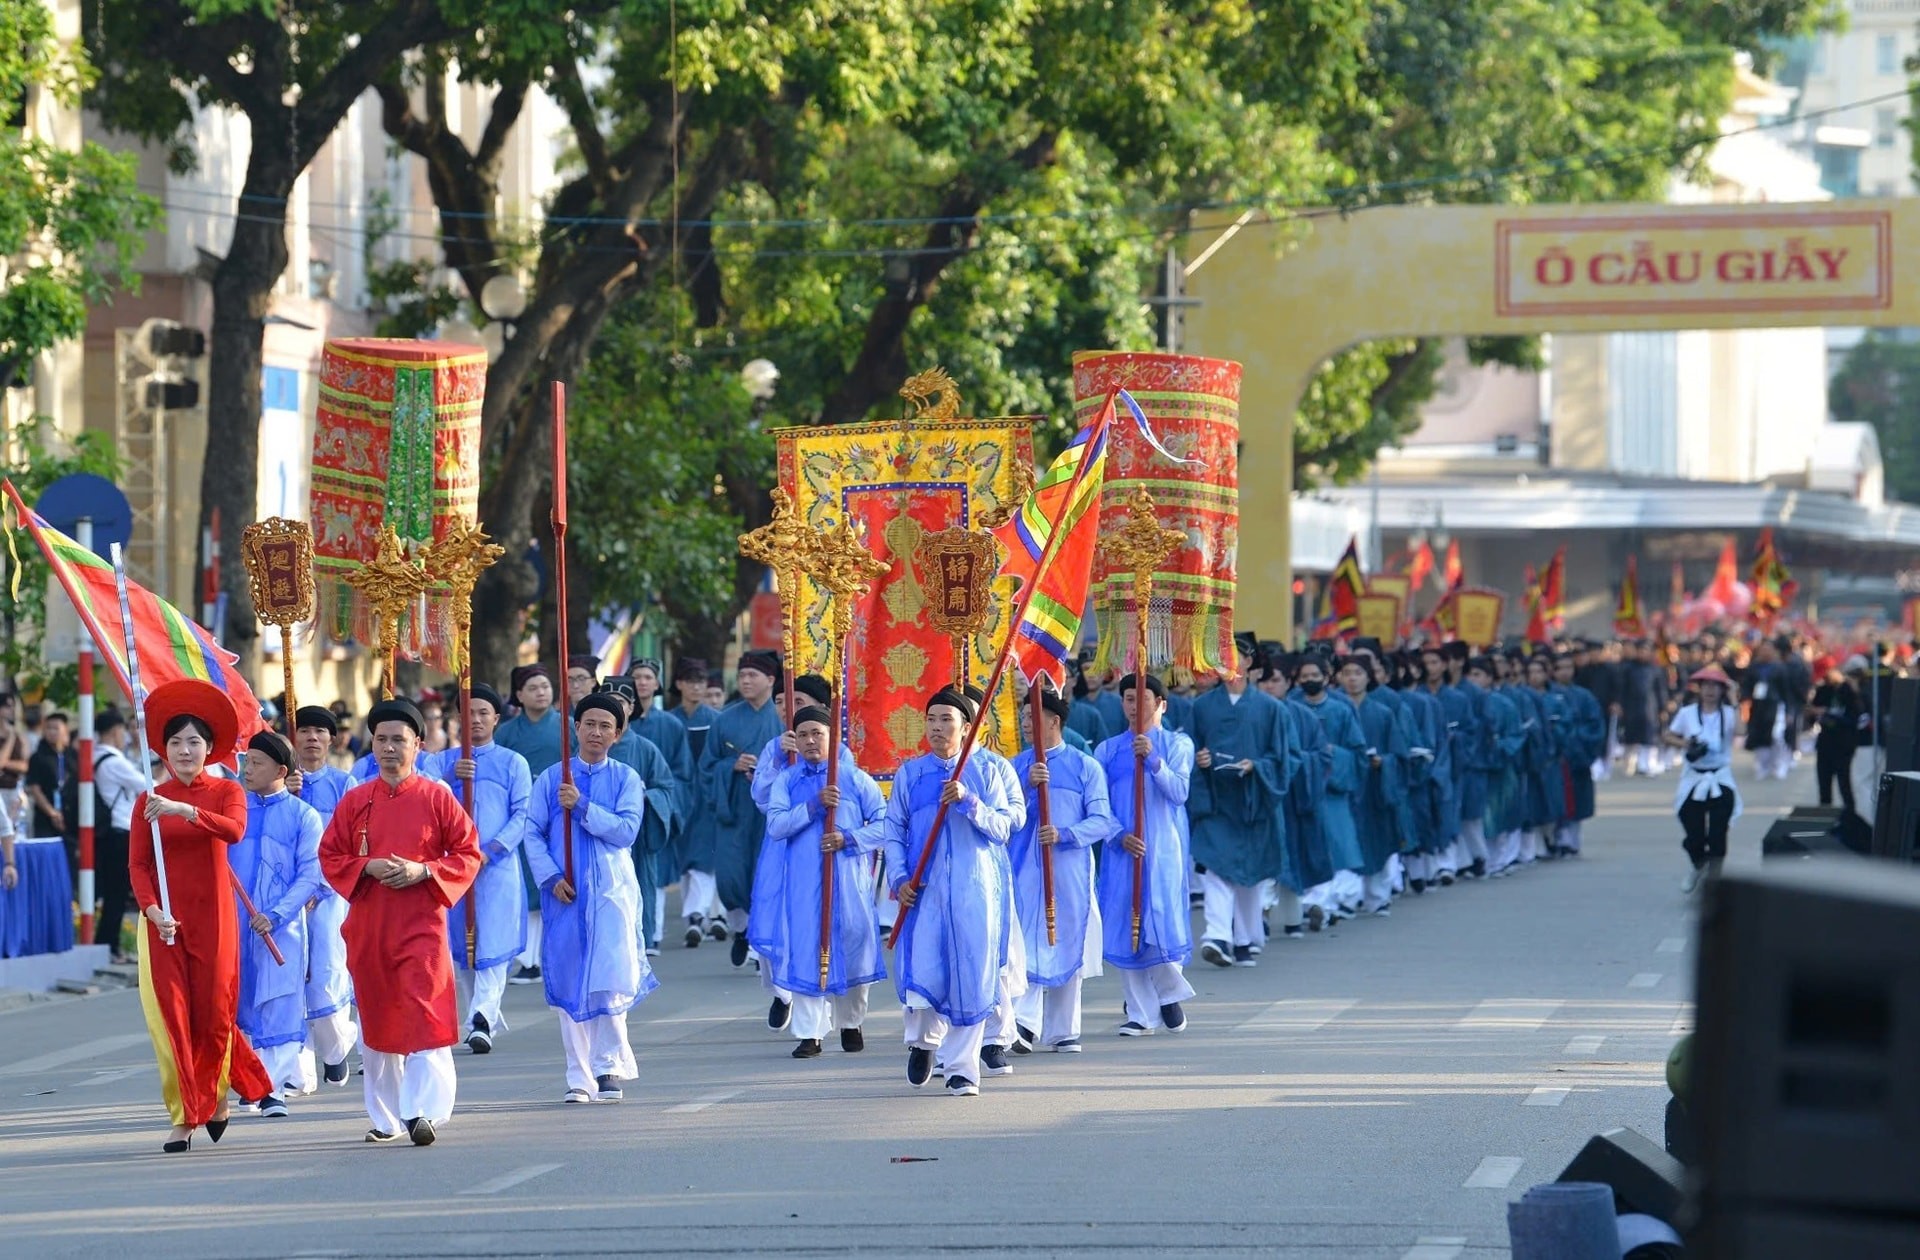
(1379, 1090)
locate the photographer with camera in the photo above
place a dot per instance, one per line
(1708, 801)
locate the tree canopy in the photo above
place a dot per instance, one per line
(1879, 382)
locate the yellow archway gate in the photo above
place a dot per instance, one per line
(1411, 271)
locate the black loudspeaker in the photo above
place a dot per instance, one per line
(1644, 1178)
(1901, 722)
(1806, 1096)
(1810, 830)
(1896, 817)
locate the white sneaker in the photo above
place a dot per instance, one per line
(1692, 881)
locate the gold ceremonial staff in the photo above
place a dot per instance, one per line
(278, 554)
(390, 583)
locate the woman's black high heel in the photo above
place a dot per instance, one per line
(217, 1129)
(174, 1146)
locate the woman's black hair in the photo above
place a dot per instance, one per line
(180, 721)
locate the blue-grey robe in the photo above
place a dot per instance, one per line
(696, 822)
(539, 743)
(1585, 742)
(1239, 820)
(591, 958)
(329, 987)
(1084, 716)
(784, 926)
(1166, 928)
(502, 794)
(278, 862)
(666, 730)
(957, 934)
(663, 819)
(1497, 758)
(738, 828)
(1432, 786)
(1380, 806)
(1308, 862)
(1344, 748)
(1082, 814)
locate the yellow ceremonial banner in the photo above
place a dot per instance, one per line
(1400, 586)
(1802, 259)
(1476, 615)
(901, 481)
(1377, 616)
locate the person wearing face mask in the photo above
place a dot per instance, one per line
(1343, 757)
(1708, 801)
(953, 949)
(190, 945)
(1380, 804)
(594, 968)
(722, 875)
(278, 862)
(502, 795)
(331, 1029)
(810, 821)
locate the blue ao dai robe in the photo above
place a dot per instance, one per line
(1083, 815)
(958, 934)
(278, 861)
(1380, 807)
(1166, 929)
(1432, 787)
(1308, 862)
(1456, 727)
(1344, 747)
(663, 818)
(1502, 738)
(738, 826)
(1585, 742)
(1239, 820)
(591, 956)
(502, 795)
(784, 925)
(329, 987)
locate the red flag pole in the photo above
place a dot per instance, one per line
(999, 671)
(560, 605)
(1042, 797)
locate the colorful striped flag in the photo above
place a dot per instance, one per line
(1627, 621)
(170, 645)
(1064, 511)
(1340, 598)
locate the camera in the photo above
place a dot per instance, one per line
(1697, 749)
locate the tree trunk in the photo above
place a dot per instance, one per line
(242, 292)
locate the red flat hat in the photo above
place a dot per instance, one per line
(199, 699)
(1712, 674)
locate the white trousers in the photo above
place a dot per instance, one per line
(596, 1047)
(333, 1036)
(1529, 844)
(1567, 836)
(1147, 989)
(1473, 840)
(285, 1069)
(956, 1050)
(999, 1029)
(1053, 1015)
(1868, 765)
(484, 990)
(403, 1087)
(1286, 901)
(699, 895)
(1773, 761)
(815, 1017)
(1232, 911)
(1503, 851)
(1377, 889)
(530, 956)
(659, 916)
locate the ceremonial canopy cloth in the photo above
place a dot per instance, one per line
(1193, 408)
(900, 481)
(396, 441)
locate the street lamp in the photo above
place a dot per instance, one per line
(760, 378)
(503, 299)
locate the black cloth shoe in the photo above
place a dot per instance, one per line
(717, 929)
(1479, 868)
(609, 1089)
(993, 1059)
(381, 1135)
(809, 1048)
(852, 1040)
(739, 954)
(1419, 887)
(273, 1106)
(696, 930)
(919, 1066)
(526, 975)
(420, 1129)
(1173, 1017)
(1023, 1039)
(479, 1042)
(1243, 956)
(961, 1087)
(779, 1015)
(1293, 932)
(1217, 953)
(336, 1073)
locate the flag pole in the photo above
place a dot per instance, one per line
(560, 607)
(1043, 798)
(999, 671)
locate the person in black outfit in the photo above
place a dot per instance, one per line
(47, 775)
(1837, 709)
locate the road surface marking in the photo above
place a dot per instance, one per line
(1584, 1045)
(116, 1074)
(74, 1054)
(1298, 1015)
(1546, 1096)
(1496, 1172)
(1645, 980)
(1673, 945)
(1509, 1015)
(507, 1181)
(1436, 1249)
(703, 1102)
